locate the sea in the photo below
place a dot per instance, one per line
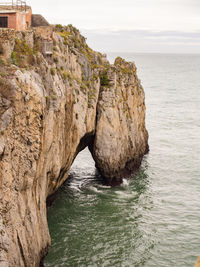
(153, 218)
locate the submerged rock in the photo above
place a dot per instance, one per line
(52, 107)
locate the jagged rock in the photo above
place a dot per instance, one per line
(52, 107)
(121, 138)
(2, 145)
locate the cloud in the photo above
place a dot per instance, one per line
(144, 41)
(146, 33)
(122, 14)
(130, 25)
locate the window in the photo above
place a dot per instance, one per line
(3, 22)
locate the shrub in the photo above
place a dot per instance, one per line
(85, 121)
(2, 62)
(104, 81)
(3, 74)
(55, 49)
(22, 54)
(52, 71)
(37, 46)
(53, 97)
(59, 27)
(55, 60)
(65, 75)
(1, 49)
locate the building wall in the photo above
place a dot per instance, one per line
(20, 21)
(28, 18)
(11, 19)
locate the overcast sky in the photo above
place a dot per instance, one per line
(170, 26)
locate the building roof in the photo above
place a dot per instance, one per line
(38, 20)
(7, 11)
(14, 6)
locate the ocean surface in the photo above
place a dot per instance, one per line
(153, 219)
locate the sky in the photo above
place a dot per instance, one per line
(154, 26)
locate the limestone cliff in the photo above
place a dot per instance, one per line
(53, 105)
(121, 138)
(197, 264)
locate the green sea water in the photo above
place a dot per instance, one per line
(152, 219)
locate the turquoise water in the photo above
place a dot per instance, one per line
(153, 219)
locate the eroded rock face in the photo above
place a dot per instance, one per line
(121, 138)
(52, 107)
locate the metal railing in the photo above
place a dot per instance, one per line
(47, 47)
(15, 4)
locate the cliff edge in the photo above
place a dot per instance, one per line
(58, 96)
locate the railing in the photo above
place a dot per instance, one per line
(15, 4)
(47, 47)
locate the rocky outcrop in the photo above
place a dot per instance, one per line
(52, 107)
(121, 138)
(197, 264)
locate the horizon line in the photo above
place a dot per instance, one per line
(158, 53)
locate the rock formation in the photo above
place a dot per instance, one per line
(121, 138)
(197, 264)
(52, 107)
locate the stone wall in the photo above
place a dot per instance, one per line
(38, 20)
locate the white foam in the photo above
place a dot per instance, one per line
(75, 187)
(94, 189)
(124, 195)
(103, 186)
(125, 182)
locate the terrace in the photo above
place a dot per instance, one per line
(14, 5)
